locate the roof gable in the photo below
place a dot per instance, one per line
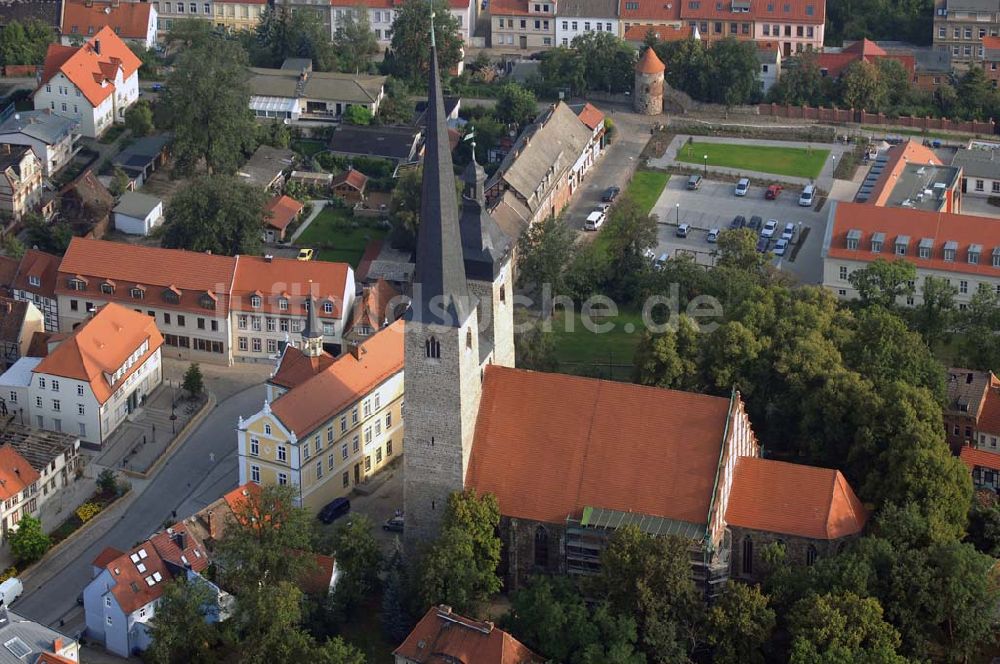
(92, 68)
(444, 636)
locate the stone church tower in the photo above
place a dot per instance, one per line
(446, 347)
(312, 333)
(649, 83)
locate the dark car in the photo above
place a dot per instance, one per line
(158, 87)
(755, 223)
(739, 221)
(773, 192)
(762, 244)
(394, 525)
(694, 182)
(610, 194)
(334, 510)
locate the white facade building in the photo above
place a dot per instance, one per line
(51, 137)
(578, 17)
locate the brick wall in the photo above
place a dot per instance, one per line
(851, 115)
(19, 71)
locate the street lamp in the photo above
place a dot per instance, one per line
(833, 167)
(678, 213)
(706, 164)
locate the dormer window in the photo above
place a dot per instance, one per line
(878, 239)
(108, 288)
(902, 242)
(975, 251)
(77, 284)
(34, 281)
(206, 301)
(172, 296)
(433, 348)
(137, 292)
(996, 257)
(926, 247)
(328, 307)
(950, 250)
(283, 304)
(853, 238)
(255, 301)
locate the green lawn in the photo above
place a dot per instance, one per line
(585, 352)
(799, 162)
(307, 147)
(337, 236)
(646, 187)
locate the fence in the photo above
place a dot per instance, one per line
(845, 115)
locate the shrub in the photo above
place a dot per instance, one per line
(88, 511)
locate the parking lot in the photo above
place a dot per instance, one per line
(714, 206)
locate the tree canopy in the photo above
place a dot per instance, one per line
(218, 213)
(25, 43)
(355, 41)
(282, 33)
(410, 54)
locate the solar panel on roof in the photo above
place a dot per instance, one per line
(17, 647)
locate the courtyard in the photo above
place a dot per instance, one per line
(793, 161)
(338, 236)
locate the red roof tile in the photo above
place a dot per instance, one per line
(976, 458)
(578, 442)
(372, 251)
(129, 20)
(38, 264)
(444, 637)
(797, 11)
(16, 474)
(663, 32)
(295, 367)
(989, 416)
(372, 309)
(52, 658)
(865, 47)
(899, 156)
(650, 10)
(295, 280)
(591, 116)
(106, 556)
(354, 178)
(649, 63)
(836, 63)
(89, 71)
(941, 227)
(793, 499)
(990, 42)
(281, 211)
(8, 272)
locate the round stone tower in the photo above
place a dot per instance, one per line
(648, 93)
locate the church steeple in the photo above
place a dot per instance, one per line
(484, 245)
(439, 291)
(312, 333)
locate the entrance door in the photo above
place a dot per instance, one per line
(132, 402)
(788, 50)
(357, 473)
(523, 41)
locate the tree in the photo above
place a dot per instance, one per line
(139, 118)
(841, 627)
(984, 523)
(515, 105)
(358, 559)
(544, 253)
(801, 82)
(179, 631)
(976, 98)
(738, 251)
(50, 238)
(733, 72)
(740, 624)
(396, 621)
(980, 343)
(608, 62)
(217, 213)
(460, 568)
(883, 282)
(355, 42)
(119, 182)
(281, 34)
(630, 236)
(107, 482)
(357, 115)
(688, 66)
(934, 314)
(28, 543)
(193, 384)
(207, 105)
(395, 107)
(188, 33)
(12, 246)
(275, 133)
(862, 88)
(25, 43)
(562, 69)
(669, 359)
(404, 210)
(535, 350)
(151, 61)
(895, 79)
(410, 54)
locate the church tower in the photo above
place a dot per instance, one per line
(487, 252)
(312, 333)
(441, 348)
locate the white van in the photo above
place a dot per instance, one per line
(594, 221)
(806, 199)
(661, 262)
(10, 590)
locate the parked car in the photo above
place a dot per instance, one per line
(305, 254)
(682, 230)
(594, 220)
(780, 247)
(157, 87)
(789, 232)
(742, 187)
(769, 228)
(739, 221)
(808, 195)
(661, 262)
(755, 223)
(10, 590)
(610, 194)
(394, 525)
(713, 235)
(335, 509)
(773, 191)
(762, 244)
(694, 182)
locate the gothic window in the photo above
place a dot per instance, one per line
(468, 338)
(810, 556)
(541, 547)
(747, 555)
(503, 293)
(433, 348)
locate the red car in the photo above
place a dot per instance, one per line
(773, 192)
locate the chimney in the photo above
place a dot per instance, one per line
(57, 645)
(89, 3)
(180, 539)
(268, 258)
(968, 376)
(211, 522)
(445, 609)
(97, 46)
(489, 626)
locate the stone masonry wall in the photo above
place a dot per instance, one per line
(648, 93)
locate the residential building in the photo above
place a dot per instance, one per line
(209, 308)
(312, 95)
(794, 25)
(769, 59)
(933, 67)
(961, 26)
(94, 379)
(134, 22)
(336, 429)
(399, 144)
(379, 305)
(834, 63)
(637, 33)
(650, 14)
(88, 203)
(446, 636)
(138, 214)
(19, 321)
(238, 15)
(990, 58)
(48, 12)
(279, 213)
(984, 467)
(20, 181)
(382, 14)
(980, 168)
(523, 24)
(548, 162)
(122, 598)
(143, 157)
(8, 272)
(911, 175)
(321, 11)
(266, 168)
(35, 282)
(18, 490)
(27, 642)
(92, 84)
(972, 410)
(14, 384)
(350, 185)
(962, 249)
(578, 17)
(168, 11)
(295, 367)
(55, 457)
(51, 137)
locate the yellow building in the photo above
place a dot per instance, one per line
(333, 431)
(236, 15)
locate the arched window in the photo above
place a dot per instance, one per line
(747, 555)
(433, 348)
(468, 338)
(503, 293)
(811, 556)
(541, 547)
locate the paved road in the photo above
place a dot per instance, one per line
(186, 483)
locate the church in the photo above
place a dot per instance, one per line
(572, 459)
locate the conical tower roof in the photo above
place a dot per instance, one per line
(649, 63)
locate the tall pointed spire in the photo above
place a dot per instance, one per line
(440, 294)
